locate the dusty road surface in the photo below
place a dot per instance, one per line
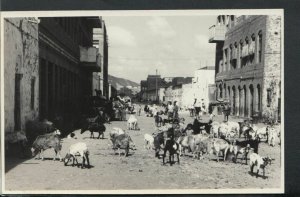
(140, 170)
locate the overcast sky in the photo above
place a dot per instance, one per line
(175, 45)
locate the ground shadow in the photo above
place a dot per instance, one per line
(259, 175)
(47, 159)
(79, 166)
(95, 138)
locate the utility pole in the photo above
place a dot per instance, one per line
(156, 93)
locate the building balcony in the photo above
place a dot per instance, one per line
(90, 58)
(249, 72)
(217, 33)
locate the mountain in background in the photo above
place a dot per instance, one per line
(118, 83)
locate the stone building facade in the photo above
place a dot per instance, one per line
(21, 72)
(48, 68)
(248, 63)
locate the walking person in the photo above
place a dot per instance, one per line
(191, 109)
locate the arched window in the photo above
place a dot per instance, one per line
(241, 53)
(260, 46)
(246, 52)
(234, 54)
(230, 56)
(252, 49)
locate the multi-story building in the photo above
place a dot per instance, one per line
(143, 93)
(154, 82)
(203, 77)
(48, 67)
(248, 63)
(199, 87)
(67, 62)
(101, 78)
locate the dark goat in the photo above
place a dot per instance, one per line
(170, 143)
(44, 142)
(250, 144)
(237, 149)
(93, 127)
(122, 141)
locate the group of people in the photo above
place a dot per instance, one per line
(197, 108)
(172, 110)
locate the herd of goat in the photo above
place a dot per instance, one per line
(171, 136)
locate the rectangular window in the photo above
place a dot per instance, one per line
(32, 92)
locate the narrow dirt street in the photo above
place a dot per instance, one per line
(140, 170)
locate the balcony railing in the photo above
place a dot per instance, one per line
(90, 58)
(217, 33)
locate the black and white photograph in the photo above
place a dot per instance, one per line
(135, 102)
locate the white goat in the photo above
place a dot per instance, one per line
(259, 162)
(132, 123)
(78, 149)
(149, 141)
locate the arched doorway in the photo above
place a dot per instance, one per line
(258, 98)
(234, 101)
(245, 101)
(251, 99)
(240, 101)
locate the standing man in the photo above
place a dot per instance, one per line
(226, 111)
(170, 110)
(175, 111)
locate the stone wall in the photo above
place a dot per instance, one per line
(21, 56)
(272, 67)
